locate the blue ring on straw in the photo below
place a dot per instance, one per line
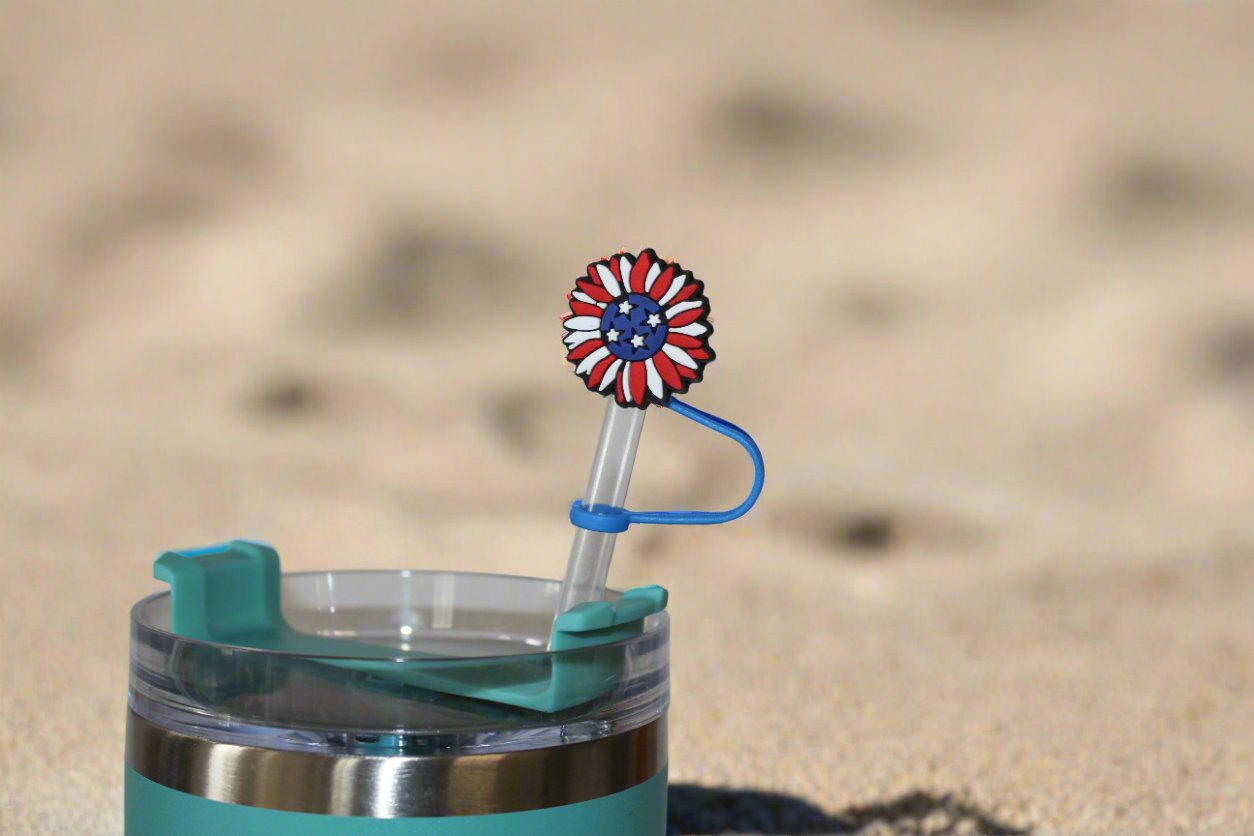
(612, 520)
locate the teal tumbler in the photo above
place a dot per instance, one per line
(437, 703)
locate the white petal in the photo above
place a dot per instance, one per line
(574, 338)
(592, 359)
(624, 268)
(627, 382)
(679, 355)
(651, 276)
(583, 297)
(675, 310)
(677, 284)
(607, 279)
(609, 375)
(655, 379)
(582, 323)
(692, 329)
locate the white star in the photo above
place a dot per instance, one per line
(637, 341)
(624, 306)
(612, 335)
(655, 320)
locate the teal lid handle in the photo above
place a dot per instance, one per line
(222, 590)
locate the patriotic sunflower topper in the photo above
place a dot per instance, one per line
(638, 328)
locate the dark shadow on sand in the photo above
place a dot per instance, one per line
(704, 811)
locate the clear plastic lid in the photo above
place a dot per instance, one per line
(429, 628)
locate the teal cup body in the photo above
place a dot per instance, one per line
(156, 810)
(448, 712)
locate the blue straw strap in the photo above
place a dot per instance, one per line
(613, 520)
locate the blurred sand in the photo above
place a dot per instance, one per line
(983, 274)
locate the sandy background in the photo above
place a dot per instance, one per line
(983, 276)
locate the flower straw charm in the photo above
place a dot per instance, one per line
(638, 332)
(639, 328)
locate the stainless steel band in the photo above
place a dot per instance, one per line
(395, 787)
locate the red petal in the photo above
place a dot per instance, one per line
(594, 288)
(666, 369)
(638, 378)
(683, 340)
(690, 287)
(638, 272)
(614, 268)
(698, 354)
(598, 371)
(679, 320)
(584, 349)
(619, 386)
(663, 282)
(684, 371)
(584, 309)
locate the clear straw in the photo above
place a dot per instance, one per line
(591, 551)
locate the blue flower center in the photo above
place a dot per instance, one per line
(634, 327)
